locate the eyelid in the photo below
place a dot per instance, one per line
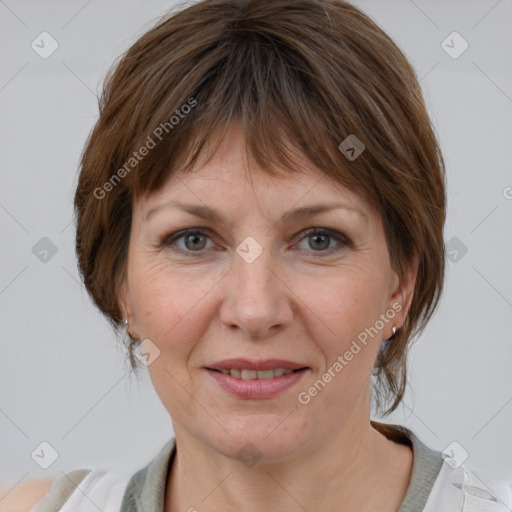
(171, 238)
(341, 237)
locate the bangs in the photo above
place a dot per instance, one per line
(286, 119)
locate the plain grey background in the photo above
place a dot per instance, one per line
(63, 377)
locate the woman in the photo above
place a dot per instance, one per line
(261, 207)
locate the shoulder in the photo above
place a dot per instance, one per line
(80, 489)
(441, 482)
(76, 490)
(23, 497)
(27, 495)
(459, 487)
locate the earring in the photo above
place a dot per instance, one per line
(126, 324)
(394, 329)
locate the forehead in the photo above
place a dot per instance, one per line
(231, 179)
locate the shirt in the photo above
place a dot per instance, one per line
(144, 491)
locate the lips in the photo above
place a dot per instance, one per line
(248, 374)
(246, 364)
(256, 379)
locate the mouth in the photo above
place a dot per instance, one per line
(256, 379)
(247, 374)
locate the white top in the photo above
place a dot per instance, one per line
(437, 484)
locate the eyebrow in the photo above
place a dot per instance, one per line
(207, 213)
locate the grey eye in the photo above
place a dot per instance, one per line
(319, 241)
(195, 241)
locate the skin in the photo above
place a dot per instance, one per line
(298, 300)
(23, 496)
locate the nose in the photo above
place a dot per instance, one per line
(257, 299)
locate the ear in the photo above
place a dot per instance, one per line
(402, 290)
(125, 306)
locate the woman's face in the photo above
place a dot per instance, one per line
(263, 332)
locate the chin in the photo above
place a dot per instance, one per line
(264, 437)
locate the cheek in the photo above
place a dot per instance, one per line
(170, 306)
(337, 312)
(341, 306)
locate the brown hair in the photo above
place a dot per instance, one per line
(305, 72)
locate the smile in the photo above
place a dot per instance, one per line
(248, 379)
(246, 374)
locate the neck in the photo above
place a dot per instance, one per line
(357, 467)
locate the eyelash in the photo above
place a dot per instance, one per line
(174, 237)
